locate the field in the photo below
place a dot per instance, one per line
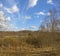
(29, 43)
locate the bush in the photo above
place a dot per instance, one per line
(35, 41)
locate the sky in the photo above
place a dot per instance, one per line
(16, 15)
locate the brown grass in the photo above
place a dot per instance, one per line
(29, 44)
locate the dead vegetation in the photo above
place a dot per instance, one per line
(30, 44)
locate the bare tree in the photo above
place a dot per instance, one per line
(52, 21)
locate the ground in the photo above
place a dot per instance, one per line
(29, 43)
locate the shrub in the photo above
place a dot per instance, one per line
(35, 41)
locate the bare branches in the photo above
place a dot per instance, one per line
(52, 22)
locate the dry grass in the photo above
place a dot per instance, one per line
(48, 44)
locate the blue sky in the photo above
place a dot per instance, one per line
(24, 14)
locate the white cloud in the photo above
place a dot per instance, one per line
(2, 18)
(27, 17)
(12, 27)
(13, 9)
(32, 3)
(40, 13)
(48, 13)
(1, 5)
(43, 13)
(41, 21)
(23, 29)
(8, 19)
(32, 27)
(49, 1)
(2, 13)
(4, 23)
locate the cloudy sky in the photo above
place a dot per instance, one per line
(24, 14)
